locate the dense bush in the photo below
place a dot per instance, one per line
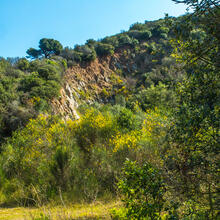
(142, 190)
(87, 53)
(104, 49)
(71, 55)
(140, 35)
(77, 157)
(138, 27)
(24, 94)
(111, 40)
(160, 31)
(156, 96)
(23, 64)
(125, 40)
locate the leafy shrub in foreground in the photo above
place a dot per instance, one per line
(142, 188)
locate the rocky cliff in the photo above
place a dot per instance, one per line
(95, 81)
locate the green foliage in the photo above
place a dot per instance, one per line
(125, 40)
(111, 40)
(160, 31)
(137, 26)
(41, 138)
(25, 94)
(82, 159)
(50, 46)
(59, 167)
(156, 96)
(23, 64)
(193, 154)
(48, 72)
(104, 49)
(33, 53)
(87, 54)
(47, 47)
(140, 35)
(91, 43)
(127, 120)
(45, 82)
(71, 56)
(118, 214)
(142, 189)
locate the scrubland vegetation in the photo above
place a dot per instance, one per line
(153, 144)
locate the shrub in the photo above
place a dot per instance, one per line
(140, 35)
(88, 54)
(111, 40)
(104, 49)
(143, 190)
(23, 64)
(151, 48)
(30, 81)
(47, 91)
(160, 31)
(45, 138)
(49, 72)
(91, 43)
(138, 26)
(71, 55)
(156, 96)
(127, 120)
(124, 40)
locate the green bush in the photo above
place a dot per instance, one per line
(48, 72)
(124, 40)
(30, 81)
(47, 90)
(143, 190)
(91, 43)
(104, 49)
(87, 54)
(127, 120)
(71, 55)
(23, 64)
(138, 27)
(156, 96)
(160, 31)
(140, 35)
(111, 40)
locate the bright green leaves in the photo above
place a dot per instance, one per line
(142, 191)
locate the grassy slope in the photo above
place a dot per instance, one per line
(97, 210)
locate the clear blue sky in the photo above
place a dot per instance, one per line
(24, 22)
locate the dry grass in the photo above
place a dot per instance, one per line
(97, 210)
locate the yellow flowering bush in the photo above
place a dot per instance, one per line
(50, 153)
(151, 130)
(129, 140)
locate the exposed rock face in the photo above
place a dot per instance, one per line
(66, 105)
(87, 83)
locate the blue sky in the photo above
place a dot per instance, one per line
(24, 22)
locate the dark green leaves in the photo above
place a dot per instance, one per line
(143, 189)
(47, 47)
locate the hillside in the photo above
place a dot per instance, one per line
(131, 117)
(107, 77)
(96, 71)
